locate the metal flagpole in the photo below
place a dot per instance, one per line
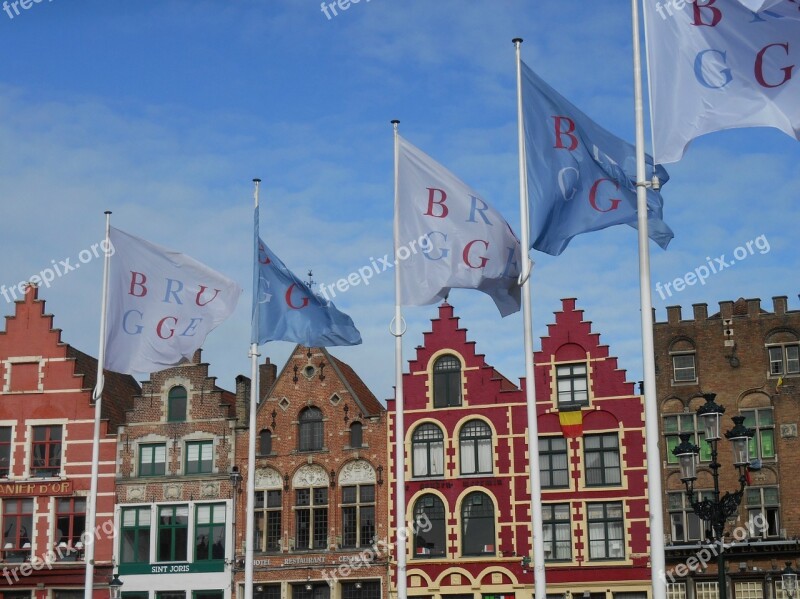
(251, 448)
(657, 560)
(398, 329)
(91, 508)
(527, 323)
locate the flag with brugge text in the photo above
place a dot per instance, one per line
(716, 66)
(581, 177)
(161, 305)
(286, 309)
(449, 237)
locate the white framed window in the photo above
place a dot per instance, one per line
(572, 384)
(763, 511)
(784, 359)
(683, 368)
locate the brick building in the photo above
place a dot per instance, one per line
(175, 512)
(320, 501)
(750, 358)
(46, 432)
(467, 469)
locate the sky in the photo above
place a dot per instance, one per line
(163, 112)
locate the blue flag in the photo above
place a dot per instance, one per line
(285, 309)
(581, 178)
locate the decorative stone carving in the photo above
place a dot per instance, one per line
(357, 472)
(311, 476)
(788, 430)
(136, 492)
(267, 478)
(172, 491)
(209, 489)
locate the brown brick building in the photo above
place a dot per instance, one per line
(750, 358)
(175, 498)
(46, 433)
(321, 500)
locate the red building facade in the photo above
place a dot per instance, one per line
(467, 477)
(46, 432)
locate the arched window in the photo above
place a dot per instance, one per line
(311, 429)
(477, 524)
(427, 446)
(176, 404)
(265, 442)
(446, 382)
(476, 448)
(429, 526)
(356, 434)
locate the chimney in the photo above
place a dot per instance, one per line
(197, 357)
(673, 314)
(700, 311)
(267, 373)
(726, 309)
(754, 307)
(779, 305)
(242, 400)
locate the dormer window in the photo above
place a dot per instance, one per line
(446, 382)
(176, 404)
(572, 385)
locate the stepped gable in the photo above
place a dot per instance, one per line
(447, 336)
(570, 338)
(32, 332)
(194, 371)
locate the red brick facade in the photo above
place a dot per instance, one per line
(467, 459)
(46, 431)
(729, 353)
(321, 497)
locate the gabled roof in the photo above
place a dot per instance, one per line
(118, 389)
(366, 401)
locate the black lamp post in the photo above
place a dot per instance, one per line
(115, 587)
(718, 509)
(789, 580)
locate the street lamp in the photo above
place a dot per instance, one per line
(789, 580)
(718, 509)
(115, 587)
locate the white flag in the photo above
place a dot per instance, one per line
(161, 305)
(758, 5)
(450, 237)
(717, 65)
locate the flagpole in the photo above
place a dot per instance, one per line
(398, 330)
(251, 449)
(91, 507)
(657, 559)
(527, 323)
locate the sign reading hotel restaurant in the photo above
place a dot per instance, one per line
(61, 487)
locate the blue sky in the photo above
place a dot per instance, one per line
(164, 111)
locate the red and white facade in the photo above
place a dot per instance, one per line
(46, 432)
(467, 477)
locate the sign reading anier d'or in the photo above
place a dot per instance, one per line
(26, 489)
